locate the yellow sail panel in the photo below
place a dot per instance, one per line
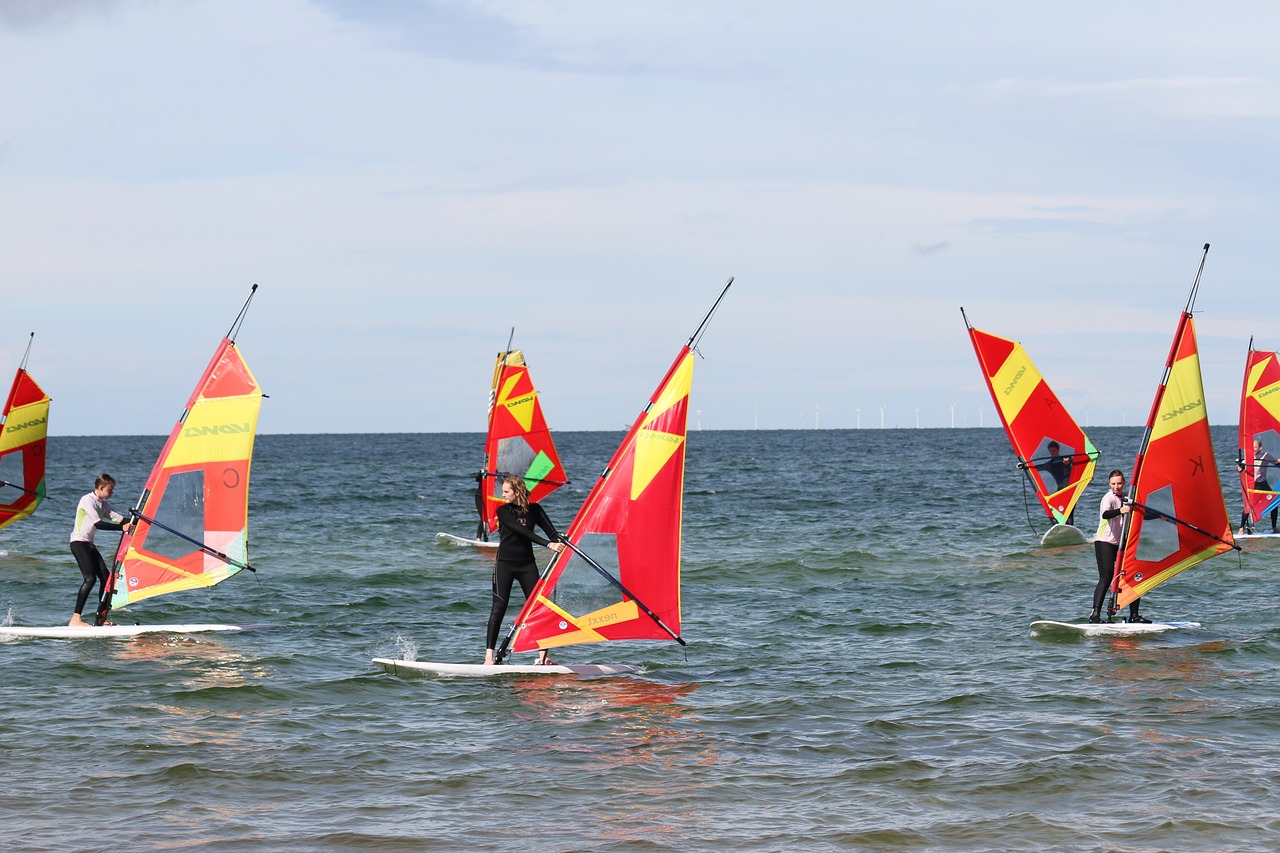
(1182, 404)
(1014, 382)
(217, 429)
(675, 392)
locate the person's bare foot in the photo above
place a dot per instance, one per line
(77, 622)
(488, 657)
(543, 660)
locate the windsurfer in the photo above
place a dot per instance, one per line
(1261, 459)
(94, 513)
(1059, 468)
(1106, 547)
(514, 561)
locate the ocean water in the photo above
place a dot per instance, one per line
(859, 676)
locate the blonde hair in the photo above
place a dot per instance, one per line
(519, 491)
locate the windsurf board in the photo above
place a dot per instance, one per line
(1257, 535)
(1061, 535)
(66, 632)
(477, 670)
(450, 539)
(1108, 629)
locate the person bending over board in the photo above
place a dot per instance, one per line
(514, 561)
(1106, 547)
(93, 513)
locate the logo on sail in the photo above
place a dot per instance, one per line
(16, 427)
(218, 429)
(1013, 383)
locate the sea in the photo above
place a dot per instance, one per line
(859, 673)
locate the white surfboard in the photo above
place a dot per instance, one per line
(462, 542)
(66, 632)
(1061, 535)
(1108, 629)
(1257, 535)
(478, 670)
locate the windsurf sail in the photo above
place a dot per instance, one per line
(518, 441)
(1259, 435)
(191, 522)
(1182, 516)
(24, 425)
(1052, 449)
(619, 579)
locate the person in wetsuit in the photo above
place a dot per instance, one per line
(1261, 483)
(1106, 547)
(93, 513)
(1059, 468)
(517, 519)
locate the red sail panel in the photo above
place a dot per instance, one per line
(1260, 434)
(1181, 519)
(24, 428)
(518, 442)
(198, 492)
(629, 525)
(1051, 447)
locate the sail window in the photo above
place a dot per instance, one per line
(182, 509)
(1053, 461)
(582, 589)
(11, 470)
(1158, 537)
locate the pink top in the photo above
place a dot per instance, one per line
(1109, 528)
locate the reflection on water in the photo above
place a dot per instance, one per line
(626, 730)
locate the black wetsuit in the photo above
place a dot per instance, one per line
(1106, 553)
(514, 561)
(92, 567)
(92, 513)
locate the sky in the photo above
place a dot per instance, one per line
(409, 180)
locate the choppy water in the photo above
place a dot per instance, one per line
(859, 677)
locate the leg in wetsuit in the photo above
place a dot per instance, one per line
(1106, 554)
(94, 570)
(504, 575)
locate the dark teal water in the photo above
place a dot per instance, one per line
(859, 674)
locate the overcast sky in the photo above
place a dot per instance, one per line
(407, 180)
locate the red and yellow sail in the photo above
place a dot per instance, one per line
(1181, 516)
(1260, 422)
(24, 426)
(518, 441)
(1051, 447)
(197, 495)
(629, 525)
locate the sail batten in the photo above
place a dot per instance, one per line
(191, 521)
(1057, 456)
(1175, 479)
(24, 425)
